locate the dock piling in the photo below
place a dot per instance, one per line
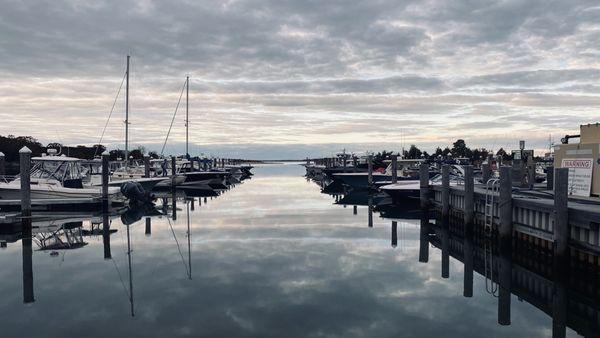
(25, 176)
(445, 190)
(530, 173)
(394, 168)
(146, 166)
(105, 173)
(550, 178)
(486, 172)
(561, 213)
(370, 165)
(424, 185)
(505, 210)
(469, 210)
(2, 165)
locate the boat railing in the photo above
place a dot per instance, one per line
(7, 178)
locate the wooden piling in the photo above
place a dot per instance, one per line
(370, 165)
(355, 210)
(394, 168)
(505, 206)
(354, 163)
(550, 178)
(424, 185)
(146, 166)
(2, 165)
(27, 251)
(173, 165)
(561, 214)
(105, 174)
(25, 176)
(485, 172)
(530, 172)
(469, 200)
(445, 190)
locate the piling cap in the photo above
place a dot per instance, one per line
(1, 154)
(105, 153)
(25, 150)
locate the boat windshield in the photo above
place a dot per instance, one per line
(58, 170)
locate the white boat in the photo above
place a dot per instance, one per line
(411, 188)
(58, 177)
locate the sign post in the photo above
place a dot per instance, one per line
(580, 176)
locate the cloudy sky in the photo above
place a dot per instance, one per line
(287, 78)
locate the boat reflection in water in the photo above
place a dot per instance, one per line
(567, 291)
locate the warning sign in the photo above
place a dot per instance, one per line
(580, 175)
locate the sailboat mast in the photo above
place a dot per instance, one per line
(187, 116)
(127, 115)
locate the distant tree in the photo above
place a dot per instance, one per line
(504, 154)
(11, 145)
(460, 149)
(116, 154)
(413, 152)
(153, 154)
(446, 152)
(137, 154)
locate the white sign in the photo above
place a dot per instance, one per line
(580, 175)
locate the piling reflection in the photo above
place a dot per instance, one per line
(547, 286)
(27, 250)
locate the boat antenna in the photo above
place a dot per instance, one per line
(127, 115)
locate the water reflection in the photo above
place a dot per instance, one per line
(276, 257)
(492, 260)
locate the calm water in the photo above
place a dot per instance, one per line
(273, 257)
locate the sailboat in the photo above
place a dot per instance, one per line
(127, 173)
(184, 167)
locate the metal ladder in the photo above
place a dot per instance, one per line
(491, 189)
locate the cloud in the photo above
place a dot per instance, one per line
(295, 72)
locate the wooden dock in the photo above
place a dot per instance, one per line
(531, 212)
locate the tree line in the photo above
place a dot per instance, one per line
(459, 150)
(10, 146)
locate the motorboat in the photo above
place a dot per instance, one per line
(58, 177)
(120, 174)
(407, 170)
(410, 189)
